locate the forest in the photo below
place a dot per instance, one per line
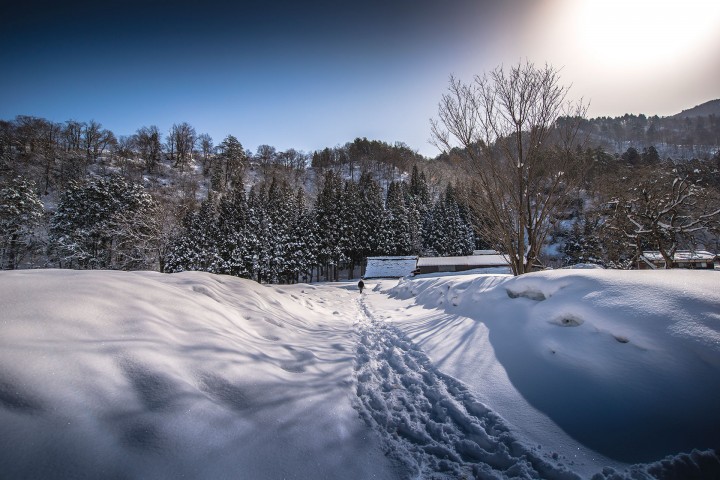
(74, 195)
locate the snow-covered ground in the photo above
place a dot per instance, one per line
(563, 374)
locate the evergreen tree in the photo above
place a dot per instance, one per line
(418, 204)
(370, 213)
(330, 224)
(105, 223)
(445, 232)
(232, 156)
(195, 248)
(582, 244)
(300, 254)
(395, 237)
(20, 212)
(231, 245)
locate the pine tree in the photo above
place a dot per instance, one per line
(105, 223)
(302, 245)
(418, 204)
(396, 236)
(231, 245)
(370, 211)
(20, 212)
(233, 161)
(195, 248)
(330, 224)
(445, 232)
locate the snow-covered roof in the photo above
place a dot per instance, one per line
(681, 256)
(469, 260)
(485, 252)
(389, 267)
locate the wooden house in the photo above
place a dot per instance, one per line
(698, 259)
(461, 264)
(389, 267)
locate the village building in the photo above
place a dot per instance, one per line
(698, 259)
(389, 267)
(485, 259)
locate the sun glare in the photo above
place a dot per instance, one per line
(639, 33)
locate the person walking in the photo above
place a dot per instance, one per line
(361, 285)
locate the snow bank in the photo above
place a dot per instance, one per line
(192, 375)
(627, 363)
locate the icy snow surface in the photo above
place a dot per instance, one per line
(559, 375)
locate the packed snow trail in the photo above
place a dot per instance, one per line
(429, 422)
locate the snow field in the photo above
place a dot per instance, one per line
(566, 374)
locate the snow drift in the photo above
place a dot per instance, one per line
(627, 363)
(558, 375)
(192, 375)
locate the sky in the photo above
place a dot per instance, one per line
(316, 74)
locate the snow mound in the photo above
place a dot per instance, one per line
(627, 363)
(190, 375)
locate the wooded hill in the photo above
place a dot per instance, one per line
(75, 195)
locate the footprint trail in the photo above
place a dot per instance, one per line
(429, 422)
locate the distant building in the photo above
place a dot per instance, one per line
(486, 259)
(389, 267)
(698, 259)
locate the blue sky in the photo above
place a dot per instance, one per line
(313, 74)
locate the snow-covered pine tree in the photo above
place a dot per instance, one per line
(445, 232)
(459, 232)
(370, 213)
(195, 248)
(582, 244)
(301, 258)
(417, 200)
(230, 241)
(257, 259)
(20, 212)
(330, 224)
(395, 237)
(105, 223)
(280, 213)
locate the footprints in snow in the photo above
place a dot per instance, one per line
(429, 421)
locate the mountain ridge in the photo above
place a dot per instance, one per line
(711, 107)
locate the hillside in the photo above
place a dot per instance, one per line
(703, 110)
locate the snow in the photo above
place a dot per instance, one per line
(681, 255)
(389, 267)
(561, 374)
(473, 260)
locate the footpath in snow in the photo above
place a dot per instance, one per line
(429, 421)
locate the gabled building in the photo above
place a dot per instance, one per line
(389, 267)
(488, 259)
(698, 259)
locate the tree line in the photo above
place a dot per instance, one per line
(184, 204)
(517, 173)
(272, 235)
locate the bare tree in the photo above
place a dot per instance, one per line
(265, 156)
(182, 142)
(232, 156)
(522, 159)
(148, 142)
(95, 140)
(205, 142)
(664, 209)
